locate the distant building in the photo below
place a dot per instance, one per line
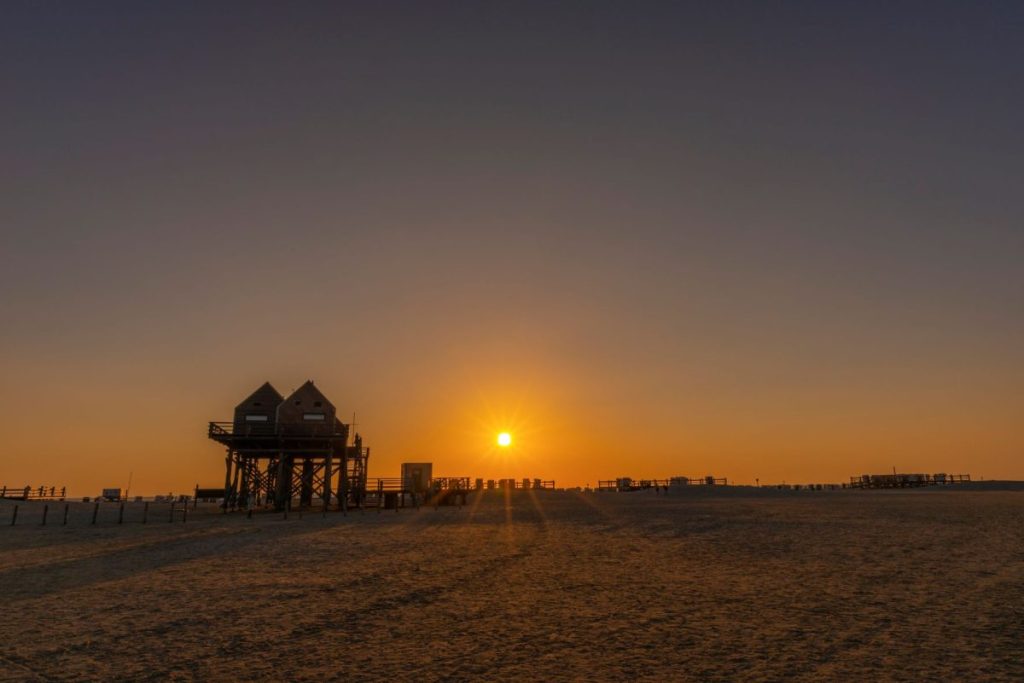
(416, 476)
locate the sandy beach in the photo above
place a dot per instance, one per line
(842, 585)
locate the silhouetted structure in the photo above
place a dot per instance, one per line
(629, 484)
(280, 449)
(898, 480)
(32, 492)
(416, 476)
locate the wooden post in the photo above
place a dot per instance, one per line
(14, 517)
(184, 513)
(120, 514)
(234, 485)
(306, 483)
(65, 522)
(95, 511)
(284, 487)
(245, 490)
(343, 491)
(227, 480)
(380, 495)
(328, 475)
(171, 518)
(46, 510)
(145, 512)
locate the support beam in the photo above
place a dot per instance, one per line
(284, 483)
(328, 476)
(306, 483)
(232, 495)
(343, 493)
(245, 491)
(228, 460)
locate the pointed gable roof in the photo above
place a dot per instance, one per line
(266, 396)
(307, 396)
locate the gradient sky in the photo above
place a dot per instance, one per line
(771, 240)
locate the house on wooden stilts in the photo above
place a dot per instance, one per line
(285, 450)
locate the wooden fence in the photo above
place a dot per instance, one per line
(32, 492)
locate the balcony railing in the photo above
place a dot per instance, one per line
(263, 429)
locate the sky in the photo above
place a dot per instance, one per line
(769, 241)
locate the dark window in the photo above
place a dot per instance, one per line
(317, 404)
(257, 404)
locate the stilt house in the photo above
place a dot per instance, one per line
(280, 450)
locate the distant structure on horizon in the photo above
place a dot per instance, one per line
(898, 480)
(280, 449)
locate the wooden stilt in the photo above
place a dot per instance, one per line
(245, 491)
(328, 476)
(343, 494)
(227, 480)
(284, 484)
(234, 483)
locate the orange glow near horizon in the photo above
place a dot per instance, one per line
(563, 425)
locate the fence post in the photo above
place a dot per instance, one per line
(171, 518)
(46, 510)
(145, 512)
(120, 514)
(65, 522)
(95, 511)
(184, 513)
(14, 517)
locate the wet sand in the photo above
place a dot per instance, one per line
(845, 585)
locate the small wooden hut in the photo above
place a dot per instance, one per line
(258, 412)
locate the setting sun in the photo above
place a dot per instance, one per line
(504, 439)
